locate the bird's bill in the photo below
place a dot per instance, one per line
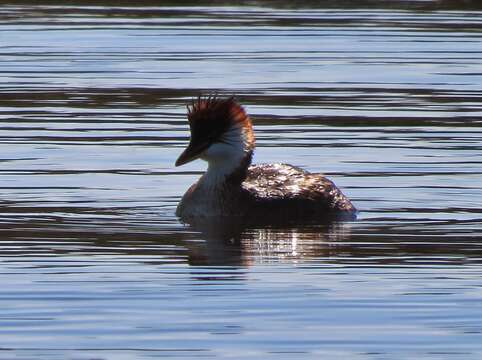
(192, 152)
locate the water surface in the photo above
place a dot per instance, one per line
(94, 263)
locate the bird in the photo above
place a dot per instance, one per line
(222, 135)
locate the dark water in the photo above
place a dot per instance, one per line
(94, 263)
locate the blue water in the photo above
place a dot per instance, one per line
(95, 265)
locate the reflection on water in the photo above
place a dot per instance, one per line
(385, 101)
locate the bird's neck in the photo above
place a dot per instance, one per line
(226, 174)
(229, 159)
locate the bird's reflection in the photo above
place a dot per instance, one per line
(156, 239)
(229, 241)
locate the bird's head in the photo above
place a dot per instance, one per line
(221, 131)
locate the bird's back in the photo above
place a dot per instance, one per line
(280, 190)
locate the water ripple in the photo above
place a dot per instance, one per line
(386, 102)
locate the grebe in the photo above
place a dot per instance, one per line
(222, 135)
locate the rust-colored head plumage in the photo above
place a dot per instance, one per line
(212, 116)
(210, 119)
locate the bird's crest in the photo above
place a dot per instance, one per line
(215, 111)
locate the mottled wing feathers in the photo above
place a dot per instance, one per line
(284, 188)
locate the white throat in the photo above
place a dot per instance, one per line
(224, 158)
